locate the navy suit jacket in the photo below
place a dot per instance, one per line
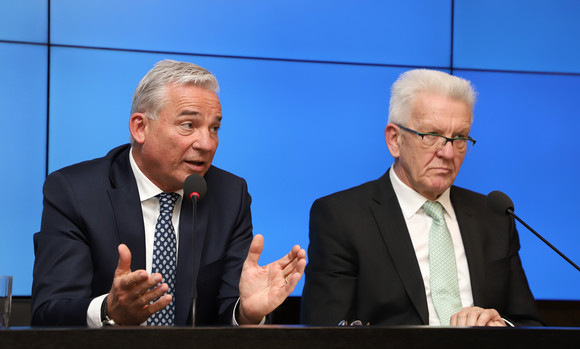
(92, 207)
(362, 264)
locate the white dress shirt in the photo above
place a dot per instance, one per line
(418, 224)
(150, 207)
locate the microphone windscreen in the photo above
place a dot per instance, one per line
(195, 183)
(499, 202)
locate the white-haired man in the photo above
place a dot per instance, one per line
(410, 248)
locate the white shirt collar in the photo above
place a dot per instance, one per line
(147, 189)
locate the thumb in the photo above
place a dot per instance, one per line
(124, 266)
(255, 250)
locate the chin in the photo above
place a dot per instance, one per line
(439, 189)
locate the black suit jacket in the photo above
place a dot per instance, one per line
(92, 207)
(362, 264)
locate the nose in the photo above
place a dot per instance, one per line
(447, 151)
(203, 141)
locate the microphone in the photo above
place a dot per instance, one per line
(194, 188)
(501, 204)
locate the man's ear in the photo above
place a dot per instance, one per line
(392, 138)
(137, 126)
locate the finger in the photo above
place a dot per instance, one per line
(291, 257)
(482, 317)
(298, 272)
(255, 250)
(453, 320)
(124, 265)
(143, 286)
(123, 277)
(301, 266)
(472, 317)
(159, 304)
(153, 294)
(497, 323)
(288, 267)
(460, 318)
(131, 280)
(297, 265)
(489, 317)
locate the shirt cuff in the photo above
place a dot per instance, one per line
(235, 322)
(508, 322)
(94, 312)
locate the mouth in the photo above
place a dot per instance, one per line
(196, 165)
(442, 170)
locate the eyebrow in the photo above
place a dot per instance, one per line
(196, 113)
(440, 132)
(188, 112)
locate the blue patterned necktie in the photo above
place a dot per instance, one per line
(165, 256)
(442, 265)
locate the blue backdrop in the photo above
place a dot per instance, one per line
(304, 91)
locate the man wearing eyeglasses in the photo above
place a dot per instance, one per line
(410, 248)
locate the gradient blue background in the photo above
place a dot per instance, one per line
(304, 92)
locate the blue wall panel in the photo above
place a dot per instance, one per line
(24, 20)
(304, 91)
(524, 125)
(523, 35)
(23, 76)
(282, 129)
(394, 32)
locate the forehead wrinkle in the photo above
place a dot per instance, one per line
(189, 112)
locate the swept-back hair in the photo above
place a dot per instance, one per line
(151, 93)
(414, 82)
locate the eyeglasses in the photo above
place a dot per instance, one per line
(432, 140)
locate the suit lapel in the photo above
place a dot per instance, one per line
(391, 222)
(472, 244)
(126, 206)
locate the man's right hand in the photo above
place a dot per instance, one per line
(129, 301)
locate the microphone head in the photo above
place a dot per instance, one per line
(194, 185)
(499, 202)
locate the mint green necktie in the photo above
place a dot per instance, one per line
(442, 266)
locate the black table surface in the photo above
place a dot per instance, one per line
(296, 337)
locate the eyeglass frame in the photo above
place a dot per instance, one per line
(447, 139)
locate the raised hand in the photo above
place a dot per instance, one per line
(263, 289)
(128, 302)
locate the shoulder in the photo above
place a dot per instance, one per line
(218, 179)
(465, 197)
(352, 198)
(225, 185)
(216, 174)
(96, 172)
(470, 205)
(114, 155)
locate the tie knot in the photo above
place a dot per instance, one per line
(433, 209)
(167, 202)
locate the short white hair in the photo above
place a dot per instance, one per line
(151, 93)
(414, 82)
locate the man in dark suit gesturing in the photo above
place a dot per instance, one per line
(410, 248)
(115, 245)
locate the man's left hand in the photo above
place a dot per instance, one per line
(476, 316)
(263, 289)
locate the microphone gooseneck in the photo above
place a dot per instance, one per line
(195, 189)
(501, 204)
